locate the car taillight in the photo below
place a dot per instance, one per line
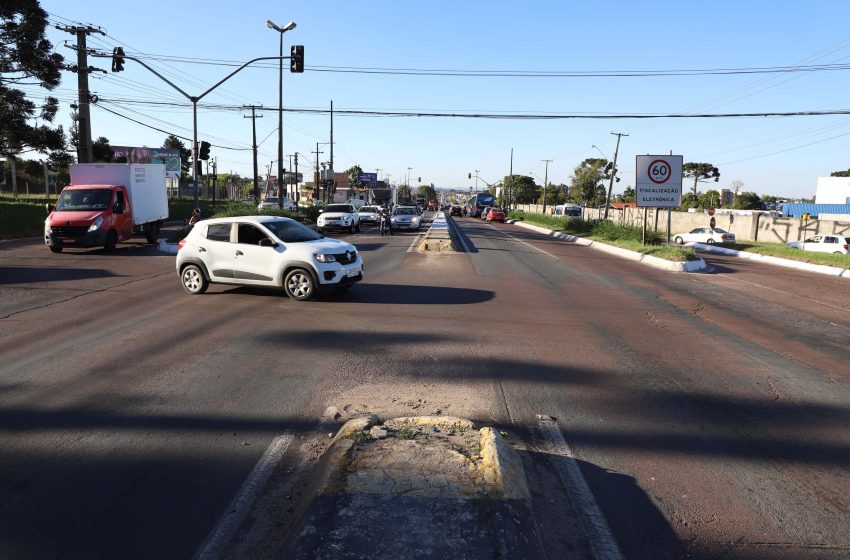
(181, 244)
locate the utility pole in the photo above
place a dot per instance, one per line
(318, 172)
(289, 182)
(84, 150)
(476, 180)
(512, 180)
(215, 178)
(545, 181)
(613, 172)
(297, 194)
(333, 174)
(254, 116)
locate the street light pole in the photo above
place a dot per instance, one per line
(289, 26)
(545, 180)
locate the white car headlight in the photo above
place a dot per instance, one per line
(47, 229)
(322, 258)
(95, 225)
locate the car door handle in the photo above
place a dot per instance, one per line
(240, 254)
(201, 250)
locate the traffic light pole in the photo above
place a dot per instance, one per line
(194, 100)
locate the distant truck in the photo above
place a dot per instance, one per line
(107, 203)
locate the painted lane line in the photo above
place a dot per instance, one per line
(726, 276)
(596, 529)
(241, 504)
(414, 243)
(521, 241)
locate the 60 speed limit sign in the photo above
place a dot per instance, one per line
(659, 181)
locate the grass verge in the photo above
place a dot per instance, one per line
(625, 237)
(783, 252)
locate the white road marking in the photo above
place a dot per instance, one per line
(413, 244)
(521, 241)
(241, 504)
(783, 293)
(602, 543)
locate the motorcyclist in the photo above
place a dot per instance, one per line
(386, 222)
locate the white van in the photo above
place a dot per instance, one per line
(567, 211)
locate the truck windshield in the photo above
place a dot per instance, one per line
(83, 199)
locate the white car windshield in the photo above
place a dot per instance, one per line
(344, 208)
(404, 211)
(290, 231)
(369, 209)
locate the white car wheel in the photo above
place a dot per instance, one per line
(193, 280)
(679, 240)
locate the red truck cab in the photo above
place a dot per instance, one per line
(89, 216)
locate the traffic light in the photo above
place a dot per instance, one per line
(117, 59)
(199, 168)
(470, 175)
(296, 60)
(204, 152)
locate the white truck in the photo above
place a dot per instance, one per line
(106, 203)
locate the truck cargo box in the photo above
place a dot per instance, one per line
(145, 183)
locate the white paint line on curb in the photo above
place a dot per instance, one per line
(413, 244)
(778, 261)
(463, 244)
(241, 504)
(602, 543)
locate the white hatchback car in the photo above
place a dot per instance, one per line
(266, 251)
(705, 235)
(833, 243)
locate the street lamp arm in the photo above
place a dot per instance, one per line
(240, 69)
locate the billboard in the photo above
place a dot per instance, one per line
(169, 156)
(368, 178)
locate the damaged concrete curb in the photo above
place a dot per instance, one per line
(778, 261)
(415, 487)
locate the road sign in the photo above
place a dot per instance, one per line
(659, 181)
(711, 210)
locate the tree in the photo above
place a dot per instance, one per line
(174, 143)
(747, 201)
(353, 173)
(700, 172)
(404, 194)
(429, 192)
(629, 194)
(587, 179)
(101, 151)
(840, 173)
(27, 58)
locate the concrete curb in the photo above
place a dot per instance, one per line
(778, 261)
(687, 266)
(438, 237)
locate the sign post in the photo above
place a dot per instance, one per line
(658, 183)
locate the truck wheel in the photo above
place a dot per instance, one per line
(193, 280)
(153, 234)
(111, 241)
(298, 284)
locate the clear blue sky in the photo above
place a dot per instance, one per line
(779, 156)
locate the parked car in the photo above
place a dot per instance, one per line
(831, 243)
(369, 214)
(271, 203)
(495, 215)
(265, 251)
(483, 214)
(705, 235)
(456, 211)
(339, 216)
(405, 217)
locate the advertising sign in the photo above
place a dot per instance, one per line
(130, 154)
(368, 178)
(659, 181)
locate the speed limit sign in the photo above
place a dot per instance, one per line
(659, 181)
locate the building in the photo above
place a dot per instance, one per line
(727, 197)
(833, 190)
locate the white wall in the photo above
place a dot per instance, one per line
(832, 190)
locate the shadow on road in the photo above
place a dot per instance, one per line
(32, 274)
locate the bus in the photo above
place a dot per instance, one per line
(482, 200)
(567, 211)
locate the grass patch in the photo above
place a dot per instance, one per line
(21, 219)
(781, 251)
(625, 237)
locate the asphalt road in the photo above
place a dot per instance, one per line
(708, 412)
